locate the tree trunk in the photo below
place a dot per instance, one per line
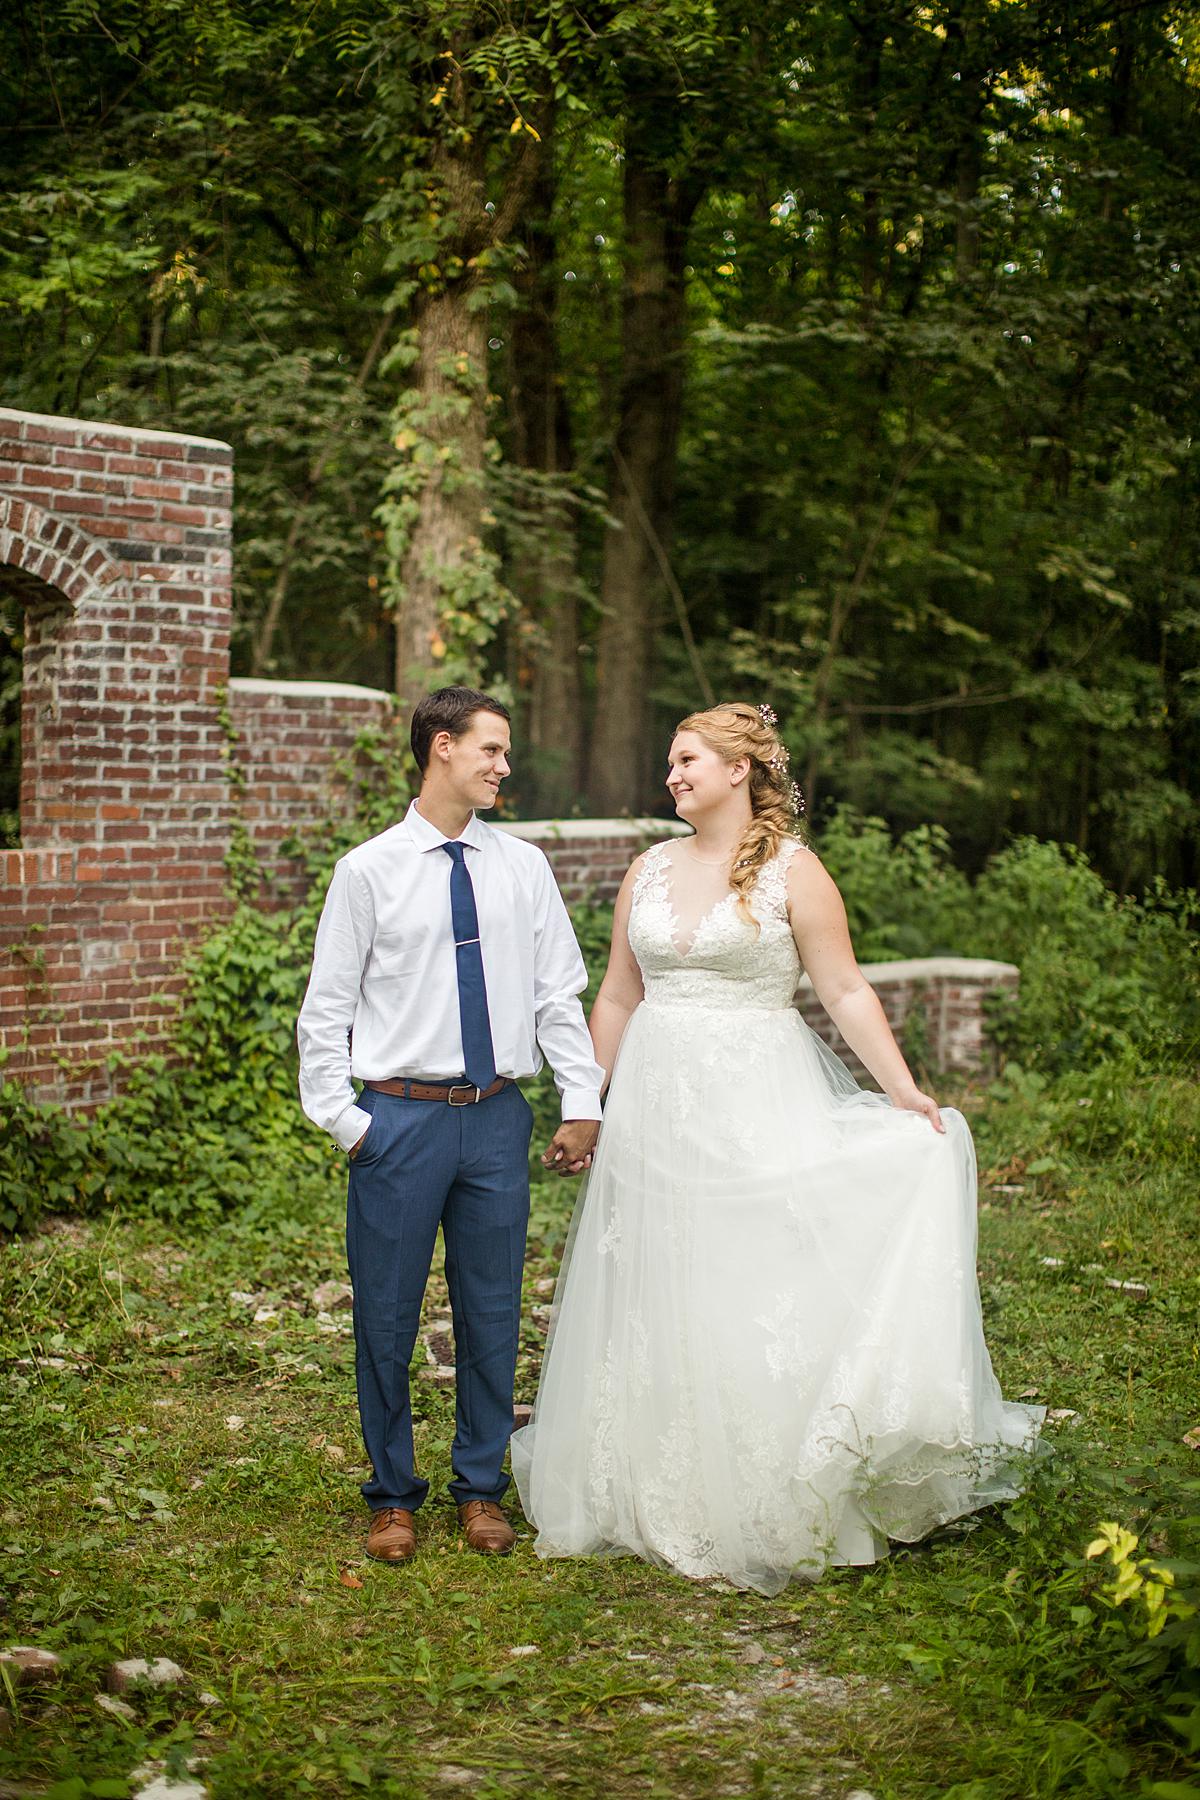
(658, 211)
(544, 567)
(444, 565)
(446, 531)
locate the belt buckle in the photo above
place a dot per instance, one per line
(464, 1086)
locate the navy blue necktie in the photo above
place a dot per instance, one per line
(478, 1054)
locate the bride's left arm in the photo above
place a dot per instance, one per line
(621, 991)
(818, 920)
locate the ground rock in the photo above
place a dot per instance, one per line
(116, 1709)
(158, 1785)
(136, 1672)
(28, 1665)
(332, 1296)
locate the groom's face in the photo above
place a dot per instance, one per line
(478, 760)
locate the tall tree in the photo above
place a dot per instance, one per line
(544, 569)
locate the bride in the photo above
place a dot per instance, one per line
(767, 1353)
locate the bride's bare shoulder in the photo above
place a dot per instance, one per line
(806, 873)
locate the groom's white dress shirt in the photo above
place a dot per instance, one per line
(382, 999)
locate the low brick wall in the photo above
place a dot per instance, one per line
(950, 991)
(590, 856)
(290, 737)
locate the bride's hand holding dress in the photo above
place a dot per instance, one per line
(817, 916)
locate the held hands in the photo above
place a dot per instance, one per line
(570, 1149)
(911, 1099)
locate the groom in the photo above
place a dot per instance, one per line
(445, 964)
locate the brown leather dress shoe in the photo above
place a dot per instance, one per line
(486, 1527)
(392, 1537)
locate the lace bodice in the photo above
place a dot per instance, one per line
(728, 964)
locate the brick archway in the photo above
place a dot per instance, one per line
(59, 575)
(53, 551)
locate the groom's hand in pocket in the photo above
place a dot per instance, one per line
(570, 1149)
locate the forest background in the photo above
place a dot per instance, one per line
(626, 355)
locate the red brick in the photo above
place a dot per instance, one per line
(46, 478)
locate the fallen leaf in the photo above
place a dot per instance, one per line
(234, 1422)
(349, 1579)
(1192, 1438)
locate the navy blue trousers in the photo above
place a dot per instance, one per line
(466, 1168)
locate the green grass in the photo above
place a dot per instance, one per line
(140, 1519)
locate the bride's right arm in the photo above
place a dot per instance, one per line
(621, 991)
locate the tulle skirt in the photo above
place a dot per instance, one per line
(766, 1352)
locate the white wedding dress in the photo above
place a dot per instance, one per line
(767, 1352)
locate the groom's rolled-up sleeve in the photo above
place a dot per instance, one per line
(327, 1015)
(559, 978)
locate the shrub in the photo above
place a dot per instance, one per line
(193, 1133)
(1102, 976)
(904, 897)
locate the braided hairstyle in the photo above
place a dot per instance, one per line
(734, 729)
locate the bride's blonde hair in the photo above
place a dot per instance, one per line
(734, 729)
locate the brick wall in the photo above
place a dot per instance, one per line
(590, 856)
(118, 543)
(290, 737)
(950, 991)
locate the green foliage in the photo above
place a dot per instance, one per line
(192, 1132)
(936, 491)
(904, 897)
(1103, 976)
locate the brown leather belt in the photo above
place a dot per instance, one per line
(454, 1093)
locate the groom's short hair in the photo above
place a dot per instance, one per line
(449, 709)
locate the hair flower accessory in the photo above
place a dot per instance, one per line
(796, 799)
(767, 714)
